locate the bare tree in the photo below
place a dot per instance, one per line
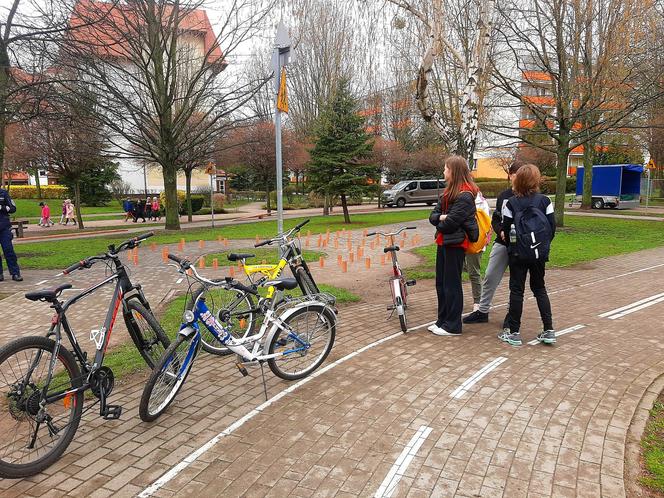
(156, 71)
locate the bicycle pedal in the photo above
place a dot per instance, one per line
(112, 412)
(242, 369)
(410, 283)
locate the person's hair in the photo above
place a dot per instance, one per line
(41, 204)
(527, 180)
(459, 176)
(514, 167)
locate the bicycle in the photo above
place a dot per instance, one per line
(398, 283)
(43, 382)
(237, 309)
(285, 340)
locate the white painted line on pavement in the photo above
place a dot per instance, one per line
(574, 328)
(179, 280)
(189, 459)
(398, 470)
(42, 282)
(637, 308)
(476, 377)
(632, 305)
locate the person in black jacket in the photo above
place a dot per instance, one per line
(7, 207)
(498, 259)
(456, 225)
(526, 195)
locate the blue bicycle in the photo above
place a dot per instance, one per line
(295, 337)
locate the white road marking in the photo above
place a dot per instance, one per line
(476, 377)
(535, 342)
(637, 308)
(42, 282)
(398, 470)
(189, 459)
(179, 280)
(632, 305)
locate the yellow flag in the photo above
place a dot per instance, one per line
(282, 96)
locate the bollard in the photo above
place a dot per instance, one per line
(367, 263)
(153, 247)
(336, 243)
(382, 260)
(344, 267)
(201, 244)
(321, 262)
(201, 262)
(215, 263)
(351, 257)
(225, 242)
(232, 271)
(164, 254)
(360, 252)
(349, 245)
(339, 259)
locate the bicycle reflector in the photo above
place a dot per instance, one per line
(67, 400)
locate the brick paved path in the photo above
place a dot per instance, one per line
(548, 421)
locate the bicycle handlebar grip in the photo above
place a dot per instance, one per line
(300, 225)
(144, 236)
(175, 258)
(74, 267)
(264, 243)
(411, 228)
(371, 234)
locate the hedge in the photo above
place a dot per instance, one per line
(47, 192)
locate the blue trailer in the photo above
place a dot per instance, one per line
(614, 185)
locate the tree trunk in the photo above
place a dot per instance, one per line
(561, 181)
(2, 150)
(187, 176)
(587, 201)
(326, 205)
(37, 183)
(171, 197)
(344, 206)
(77, 199)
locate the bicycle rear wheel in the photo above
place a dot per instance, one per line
(144, 329)
(168, 377)
(304, 345)
(232, 308)
(33, 437)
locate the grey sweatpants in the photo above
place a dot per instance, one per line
(498, 263)
(471, 264)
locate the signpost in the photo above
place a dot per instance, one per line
(280, 58)
(211, 170)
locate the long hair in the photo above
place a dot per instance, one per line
(527, 180)
(460, 180)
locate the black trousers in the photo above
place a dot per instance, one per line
(6, 237)
(449, 264)
(518, 272)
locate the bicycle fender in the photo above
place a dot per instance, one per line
(287, 314)
(187, 331)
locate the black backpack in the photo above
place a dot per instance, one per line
(533, 231)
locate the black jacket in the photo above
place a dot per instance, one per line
(460, 219)
(7, 207)
(497, 217)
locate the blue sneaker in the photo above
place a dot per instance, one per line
(547, 337)
(511, 338)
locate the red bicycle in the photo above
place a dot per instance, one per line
(398, 283)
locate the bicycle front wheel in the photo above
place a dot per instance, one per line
(144, 329)
(168, 377)
(304, 344)
(307, 285)
(32, 436)
(232, 308)
(401, 311)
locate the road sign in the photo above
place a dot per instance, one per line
(651, 164)
(210, 169)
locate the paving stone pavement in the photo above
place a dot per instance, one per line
(548, 421)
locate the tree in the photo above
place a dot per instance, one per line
(156, 70)
(95, 182)
(340, 162)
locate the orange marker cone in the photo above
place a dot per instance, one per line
(201, 262)
(164, 254)
(243, 323)
(215, 263)
(136, 257)
(351, 257)
(360, 252)
(225, 242)
(336, 243)
(364, 233)
(349, 244)
(339, 259)
(181, 245)
(344, 267)
(306, 243)
(382, 260)
(201, 244)
(321, 262)
(367, 263)
(232, 271)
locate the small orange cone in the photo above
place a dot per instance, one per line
(364, 233)
(306, 243)
(321, 262)
(225, 242)
(336, 243)
(382, 259)
(136, 256)
(360, 252)
(164, 254)
(339, 259)
(201, 262)
(349, 244)
(351, 257)
(344, 267)
(232, 271)
(243, 323)
(215, 263)
(367, 263)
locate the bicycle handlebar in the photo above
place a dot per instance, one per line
(264, 243)
(282, 237)
(370, 234)
(112, 251)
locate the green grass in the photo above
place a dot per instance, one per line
(653, 448)
(269, 255)
(582, 239)
(59, 254)
(29, 208)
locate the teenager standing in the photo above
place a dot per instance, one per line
(454, 219)
(7, 207)
(529, 227)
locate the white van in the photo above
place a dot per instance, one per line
(414, 191)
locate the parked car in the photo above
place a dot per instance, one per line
(414, 191)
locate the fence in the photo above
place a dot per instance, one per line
(652, 192)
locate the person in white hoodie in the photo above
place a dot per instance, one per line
(472, 262)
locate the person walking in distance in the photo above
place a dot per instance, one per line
(529, 227)
(454, 219)
(7, 207)
(139, 211)
(69, 205)
(498, 258)
(148, 209)
(63, 217)
(155, 208)
(45, 220)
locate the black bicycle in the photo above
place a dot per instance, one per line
(42, 383)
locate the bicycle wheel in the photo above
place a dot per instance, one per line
(304, 345)
(232, 308)
(401, 311)
(305, 281)
(31, 437)
(144, 329)
(168, 377)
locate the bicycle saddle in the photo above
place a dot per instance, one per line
(281, 283)
(48, 295)
(237, 257)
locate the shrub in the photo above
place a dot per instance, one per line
(219, 201)
(197, 201)
(181, 200)
(493, 188)
(570, 188)
(47, 191)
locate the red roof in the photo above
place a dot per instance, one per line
(107, 28)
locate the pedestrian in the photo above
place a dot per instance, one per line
(472, 262)
(156, 209)
(456, 227)
(45, 220)
(498, 259)
(529, 227)
(148, 208)
(7, 207)
(69, 212)
(64, 212)
(139, 211)
(127, 208)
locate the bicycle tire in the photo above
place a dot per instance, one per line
(162, 376)
(209, 343)
(149, 338)
(403, 320)
(306, 283)
(14, 410)
(281, 340)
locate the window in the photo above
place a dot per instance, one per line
(42, 172)
(411, 186)
(428, 185)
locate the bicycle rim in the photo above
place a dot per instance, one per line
(151, 339)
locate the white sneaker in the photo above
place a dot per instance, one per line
(441, 331)
(431, 327)
(476, 307)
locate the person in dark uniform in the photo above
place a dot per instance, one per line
(7, 207)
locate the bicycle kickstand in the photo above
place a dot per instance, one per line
(264, 383)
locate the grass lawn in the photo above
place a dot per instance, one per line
(269, 255)
(653, 448)
(59, 254)
(29, 208)
(582, 239)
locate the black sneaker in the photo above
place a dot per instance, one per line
(17, 278)
(511, 338)
(547, 337)
(476, 317)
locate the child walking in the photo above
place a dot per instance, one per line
(45, 220)
(528, 227)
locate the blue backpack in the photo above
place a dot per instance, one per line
(533, 232)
